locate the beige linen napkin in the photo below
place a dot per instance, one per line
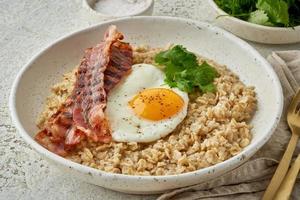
(251, 179)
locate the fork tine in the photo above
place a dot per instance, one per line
(294, 102)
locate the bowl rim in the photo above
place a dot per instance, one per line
(229, 164)
(252, 25)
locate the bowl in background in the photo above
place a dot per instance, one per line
(146, 11)
(254, 32)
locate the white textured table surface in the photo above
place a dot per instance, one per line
(27, 26)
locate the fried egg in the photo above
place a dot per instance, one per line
(142, 108)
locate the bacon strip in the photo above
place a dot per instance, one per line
(82, 115)
(118, 67)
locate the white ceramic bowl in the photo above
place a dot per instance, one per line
(254, 32)
(146, 11)
(32, 84)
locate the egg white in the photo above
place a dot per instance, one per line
(126, 126)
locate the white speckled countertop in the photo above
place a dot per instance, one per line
(27, 26)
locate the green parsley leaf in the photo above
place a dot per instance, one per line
(260, 17)
(184, 72)
(178, 56)
(208, 88)
(205, 74)
(276, 10)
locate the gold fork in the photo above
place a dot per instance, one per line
(293, 118)
(286, 187)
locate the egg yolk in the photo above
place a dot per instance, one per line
(156, 104)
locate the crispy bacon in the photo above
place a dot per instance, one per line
(82, 115)
(121, 56)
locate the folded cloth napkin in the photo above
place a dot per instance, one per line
(251, 179)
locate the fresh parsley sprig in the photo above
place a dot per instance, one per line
(184, 72)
